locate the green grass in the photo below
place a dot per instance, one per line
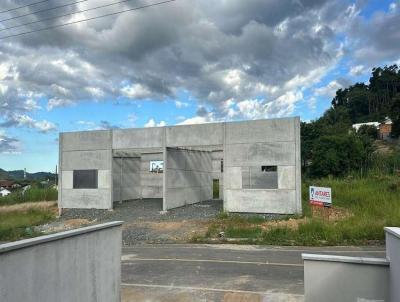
(373, 201)
(18, 225)
(31, 195)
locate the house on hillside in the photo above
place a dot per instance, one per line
(359, 125)
(8, 184)
(4, 192)
(384, 129)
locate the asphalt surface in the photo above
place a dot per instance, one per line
(220, 272)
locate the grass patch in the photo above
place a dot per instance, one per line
(30, 195)
(17, 225)
(371, 203)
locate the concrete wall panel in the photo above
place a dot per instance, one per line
(273, 130)
(152, 192)
(275, 153)
(104, 179)
(78, 265)
(126, 178)
(260, 201)
(138, 138)
(287, 177)
(252, 144)
(67, 177)
(194, 135)
(86, 140)
(336, 278)
(188, 177)
(80, 160)
(234, 181)
(87, 198)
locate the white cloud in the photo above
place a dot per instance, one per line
(328, 90)
(8, 144)
(136, 91)
(44, 126)
(393, 7)
(54, 103)
(197, 120)
(23, 120)
(96, 92)
(180, 104)
(152, 123)
(357, 70)
(312, 103)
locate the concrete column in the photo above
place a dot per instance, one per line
(60, 169)
(111, 172)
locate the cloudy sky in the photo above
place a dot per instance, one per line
(188, 61)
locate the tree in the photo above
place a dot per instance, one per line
(338, 155)
(368, 131)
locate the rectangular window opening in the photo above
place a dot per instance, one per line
(215, 188)
(255, 178)
(269, 168)
(85, 179)
(156, 166)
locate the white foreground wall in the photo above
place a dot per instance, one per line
(78, 265)
(330, 278)
(393, 255)
(347, 279)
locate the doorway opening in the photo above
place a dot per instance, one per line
(215, 188)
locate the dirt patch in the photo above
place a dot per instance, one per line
(168, 231)
(76, 223)
(326, 214)
(24, 207)
(60, 226)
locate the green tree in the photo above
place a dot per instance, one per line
(368, 131)
(338, 155)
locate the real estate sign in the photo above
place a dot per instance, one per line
(320, 196)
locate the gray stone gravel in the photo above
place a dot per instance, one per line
(143, 212)
(147, 210)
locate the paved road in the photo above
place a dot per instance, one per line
(219, 272)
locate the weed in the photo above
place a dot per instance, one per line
(30, 195)
(16, 225)
(372, 202)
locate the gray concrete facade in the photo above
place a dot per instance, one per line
(78, 265)
(257, 164)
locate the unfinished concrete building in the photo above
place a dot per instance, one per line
(255, 164)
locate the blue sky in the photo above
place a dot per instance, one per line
(183, 63)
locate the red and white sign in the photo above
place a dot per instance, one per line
(320, 196)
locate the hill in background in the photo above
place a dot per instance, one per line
(19, 175)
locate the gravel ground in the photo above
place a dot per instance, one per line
(145, 222)
(147, 210)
